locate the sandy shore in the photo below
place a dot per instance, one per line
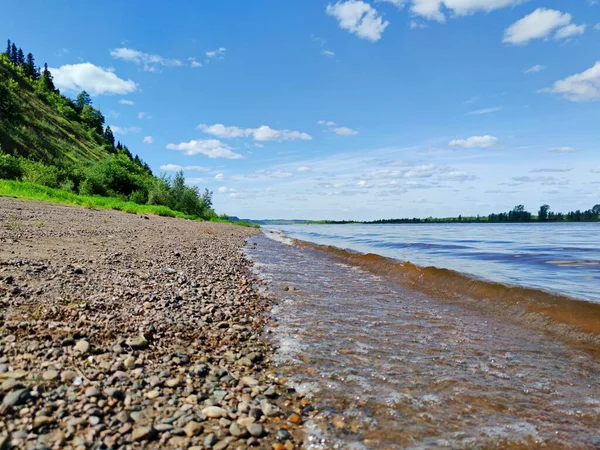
(126, 331)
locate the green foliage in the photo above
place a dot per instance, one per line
(38, 173)
(10, 168)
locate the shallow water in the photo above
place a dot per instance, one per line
(560, 257)
(390, 366)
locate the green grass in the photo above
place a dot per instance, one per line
(30, 191)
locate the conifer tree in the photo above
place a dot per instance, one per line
(8, 49)
(20, 57)
(83, 99)
(109, 137)
(46, 79)
(30, 67)
(13, 53)
(119, 146)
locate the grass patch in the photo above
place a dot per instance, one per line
(30, 191)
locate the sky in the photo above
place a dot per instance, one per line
(342, 110)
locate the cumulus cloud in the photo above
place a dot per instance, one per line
(581, 87)
(540, 24)
(535, 69)
(216, 54)
(144, 115)
(93, 79)
(149, 61)
(124, 130)
(193, 62)
(432, 9)
(212, 148)
(304, 169)
(262, 133)
(475, 142)
(177, 168)
(328, 53)
(482, 111)
(359, 18)
(397, 3)
(148, 140)
(126, 102)
(326, 123)
(345, 131)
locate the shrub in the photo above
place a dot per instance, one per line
(38, 173)
(139, 197)
(10, 167)
(68, 185)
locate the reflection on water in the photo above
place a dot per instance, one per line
(391, 367)
(562, 257)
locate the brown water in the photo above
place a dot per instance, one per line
(393, 363)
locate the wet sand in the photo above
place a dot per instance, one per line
(128, 331)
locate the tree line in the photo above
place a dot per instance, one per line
(120, 174)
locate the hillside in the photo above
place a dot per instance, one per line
(52, 141)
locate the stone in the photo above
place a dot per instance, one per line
(269, 409)
(18, 397)
(142, 433)
(221, 445)
(138, 342)
(40, 421)
(93, 420)
(193, 429)
(50, 375)
(295, 419)
(92, 391)
(129, 362)
(123, 417)
(68, 375)
(283, 435)
(152, 394)
(16, 374)
(214, 412)
(210, 440)
(249, 381)
(235, 430)
(173, 382)
(289, 445)
(162, 427)
(82, 346)
(255, 429)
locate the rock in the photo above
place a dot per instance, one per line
(283, 435)
(50, 375)
(137, 343)
(244, 362)
(9, 385)
(173, 382)
(68, 375)
(93, 420)
(289, 445)
(154, 381)
(278, 446)
(68, 342)
(18, 397)
(249, 381)
(40, 421)
(221, 445)
(295, 419)
(235, 430)
(142, 433)
(193, 429)
(4, 441)
(123, 417)
(82, 346)
(255, 429)
(152, 394)
(214, 412)
(16, 374)
(129, 362)
(210, 440)
(92, 391)
(162, 427)
(269, 409)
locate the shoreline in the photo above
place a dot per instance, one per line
(134, 330)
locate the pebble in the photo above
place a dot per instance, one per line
(92, 391)
(68, 375)
(295, 419)
(255, 429)
(129, 362)
(50, 375)
(18, 397)
(193, 429)
(40, 421)
(249, 381)
(210, 440)
(142, 433)
(173, 382)
(152, 394)
(214, 412)
(82, 346)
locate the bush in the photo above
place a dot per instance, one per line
(38, 173)
(67, 185)
(86, 187)
(10, 167)
(139, 197)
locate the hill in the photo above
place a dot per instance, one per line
(50, 140)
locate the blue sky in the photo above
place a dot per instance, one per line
(342, 110)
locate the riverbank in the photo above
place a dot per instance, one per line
(133, 330)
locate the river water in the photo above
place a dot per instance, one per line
(395, 355)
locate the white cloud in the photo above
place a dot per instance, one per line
(397, 3)
(177, 168)
(262, 133)
(540, 24)
(328, 53)
(279, 174)
(220, 176)
(564, 150)
(225, 189)
(148, 140)
(432, 9)
(93, 79)
(218, 53)
(535, 69)
(304, 169)
(196, 180)
(193, 62)
(126, 102)
(363, 184)
(414, 24)
(482, 111)
(597, 26)
(212, 148)
(345, 131)
(475, 142)
(570, 31)
(326, 123)
(581, 87)
(456, 175)
(144, 115)
(359, 18)
(124, 130)
(148, 60)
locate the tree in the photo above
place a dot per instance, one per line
(30, 70)
(543, 213)
(596, 210)
(20, 57)
(93, 119)
(47, 80)
(207, 198)
(13, 53)
(83, 99)
(109, 137)
(8, 49)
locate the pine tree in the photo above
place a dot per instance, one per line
(30, 70)
(83, 99)
(13, 53)
(8, 49)
(46, 79)
(119, 146)
(109, 137)
(20, 57)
